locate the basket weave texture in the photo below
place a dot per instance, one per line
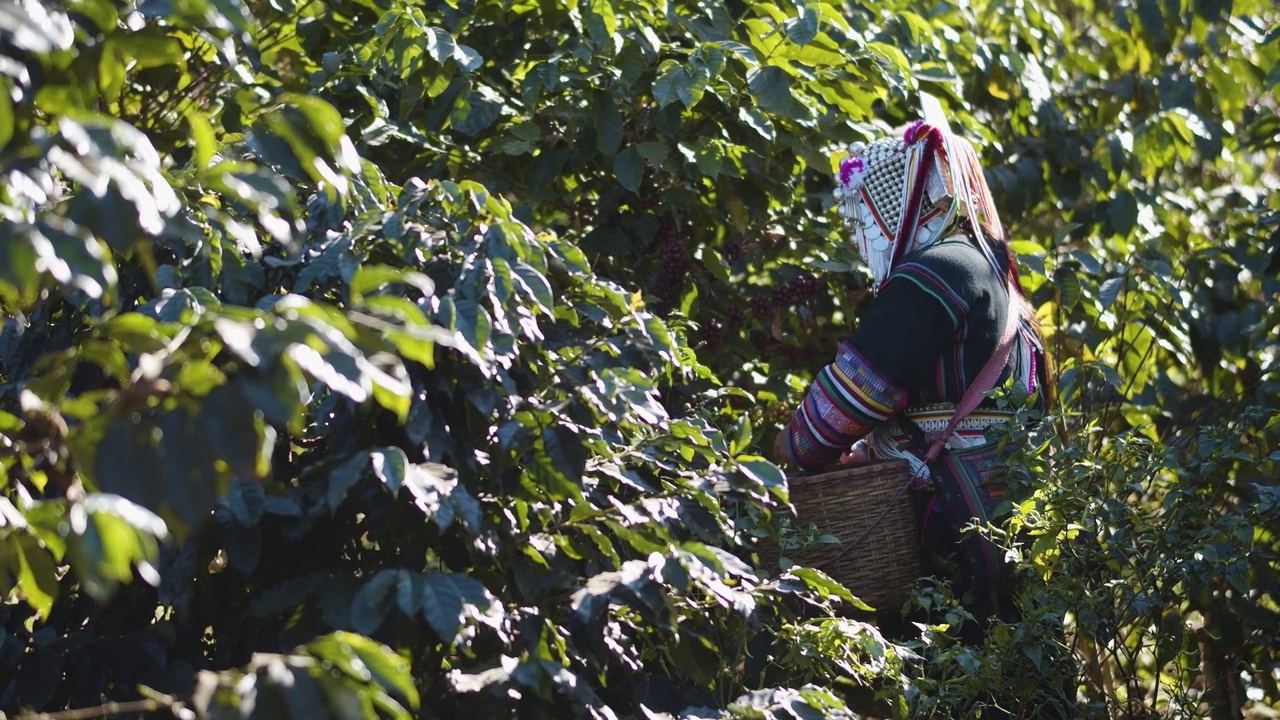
(865, 507)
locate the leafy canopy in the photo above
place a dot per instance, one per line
(378, 359)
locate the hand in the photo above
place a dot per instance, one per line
(857, 455)
(781, 449)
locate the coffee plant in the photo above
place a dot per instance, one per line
(391, 358)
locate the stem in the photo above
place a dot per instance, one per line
(1058, 330)
(1122, 321)
(1156, 670)
(102, 711)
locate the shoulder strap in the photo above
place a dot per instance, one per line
(987, 377)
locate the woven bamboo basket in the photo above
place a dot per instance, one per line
(868, 509)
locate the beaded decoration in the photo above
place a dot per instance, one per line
(896, 195)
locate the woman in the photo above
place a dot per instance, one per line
(948, 317)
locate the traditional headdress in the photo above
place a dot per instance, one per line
(899, 195)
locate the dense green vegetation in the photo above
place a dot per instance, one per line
(373, 358)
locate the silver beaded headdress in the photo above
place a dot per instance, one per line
(896, 195)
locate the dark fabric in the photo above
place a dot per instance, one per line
(966, 489)
(924, 338)
(936, 321)
(931, 329)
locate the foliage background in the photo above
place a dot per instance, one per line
(378, 358)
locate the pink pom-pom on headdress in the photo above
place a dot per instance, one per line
(848, 168)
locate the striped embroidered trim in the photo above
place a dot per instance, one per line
(864, 389)
(975, 420)
(848, 398)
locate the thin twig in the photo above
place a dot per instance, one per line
(102, 711)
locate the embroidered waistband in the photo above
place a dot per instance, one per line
(934, 418)
(892, 441)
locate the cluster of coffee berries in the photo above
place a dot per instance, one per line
(734, 317)
(797, 290)
(673, 261)
(760, 307)
(778, 412)
(795, 354)
(732, 251)
(710, 334)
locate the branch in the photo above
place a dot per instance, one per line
(102, 711)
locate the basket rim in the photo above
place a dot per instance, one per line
(845, 472)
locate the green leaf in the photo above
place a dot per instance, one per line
(440, 44)
(344, 476)
(602, 21)
(226, 423)
(306, 136)
(31, 26)
(73, 257)
(762, 471)
(628, 167)
(771, 88)
(686, 302)
(653, 151)
(631, 64)
(1122, 212)
(712, 57)
(339, 369)
(804, 27)
(708, 155)
(691, 85)
(370, 277)
(383, 665)
(1087, 261)
(449, 599)
(148, 50)
(739, 51)
(128, 462)
(896, 59)
(1272, 77)
(478, 112)
(1026, 247)
(1068, 286)
(534, 285)
(136, 332)
(247, 501)
(19, 278)
(758, 121)
(608, 122)
(100, 12)
(37, 575)
(373, 601)
(467, 57)
(741, 435)
(665, 86)
(431, 486)
(6, 113)
(110, 536)
(1153, 24)
(1108, 291)
(826, 586)
(566, 451)
(389, 466)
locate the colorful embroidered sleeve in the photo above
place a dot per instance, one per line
(847, 399)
